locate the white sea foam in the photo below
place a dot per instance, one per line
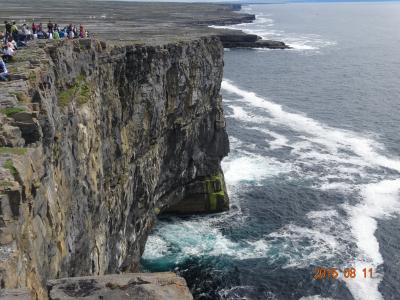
(331, 137)
(156, 248)
(241, 114)
(380, 200)
(252, 167)
(198, 238)
(279, 139)
(305, 246)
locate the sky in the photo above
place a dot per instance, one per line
(262, 1)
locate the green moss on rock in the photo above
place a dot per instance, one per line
(10, 111)
(216, 193)
(80, 91)
(66, 96)
(9, 165)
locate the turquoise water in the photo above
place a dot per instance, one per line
(314, 168)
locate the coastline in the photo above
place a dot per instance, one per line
(90, 173)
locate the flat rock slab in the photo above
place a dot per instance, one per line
(15, 294)
(134, 286)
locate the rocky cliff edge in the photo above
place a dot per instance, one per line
(96, 140)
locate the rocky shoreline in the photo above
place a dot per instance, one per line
(239, 39)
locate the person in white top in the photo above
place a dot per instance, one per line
(7, 53)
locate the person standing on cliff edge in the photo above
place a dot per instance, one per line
(14, 31)
(50, 27)
(8, 31)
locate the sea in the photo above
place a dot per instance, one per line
(313, 173)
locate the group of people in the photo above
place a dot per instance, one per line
(54, 31)
(13, 38)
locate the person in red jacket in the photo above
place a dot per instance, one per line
(81, 31)
(34, 28)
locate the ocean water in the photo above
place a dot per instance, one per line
(314, 169)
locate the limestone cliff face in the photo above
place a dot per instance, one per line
(122, 133)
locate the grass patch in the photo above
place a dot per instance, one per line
(80, 91)
(84, 94)
(66, 96)
(9, 165)
(13, 150)
(10, 111)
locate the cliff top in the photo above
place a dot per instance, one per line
(154, 23)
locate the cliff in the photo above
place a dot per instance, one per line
(96, 140)
(99, 136)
